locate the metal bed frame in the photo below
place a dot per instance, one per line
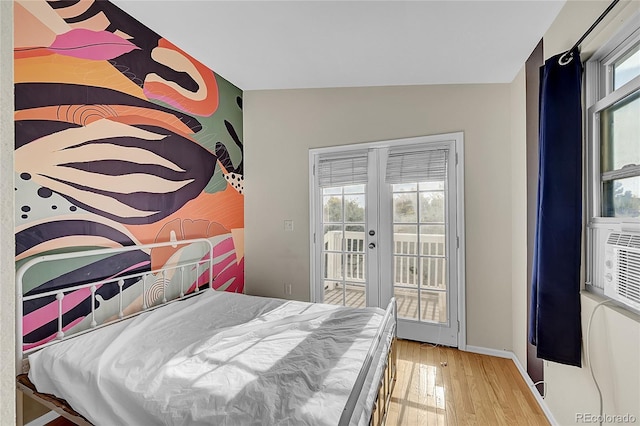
(385, 384)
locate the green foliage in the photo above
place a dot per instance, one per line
(404, 208)
(333, 210)
(431, 208)
(625, 203)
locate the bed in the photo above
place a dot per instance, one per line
(181, 353)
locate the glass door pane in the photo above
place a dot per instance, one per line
(419, 251)
(343, 254)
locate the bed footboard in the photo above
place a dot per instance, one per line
(388, 371)
(385, 388)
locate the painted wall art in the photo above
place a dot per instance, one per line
(121, 139)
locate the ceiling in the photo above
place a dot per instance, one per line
(312, 44)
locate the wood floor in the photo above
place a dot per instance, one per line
(440, 386)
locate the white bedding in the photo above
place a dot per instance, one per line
(217, 359)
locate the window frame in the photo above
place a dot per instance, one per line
(599, 95)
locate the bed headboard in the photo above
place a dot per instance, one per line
(95, 288)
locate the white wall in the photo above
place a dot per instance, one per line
(281, 126)
(7, 212)
(519, 216)
(615, 334)
(614, 344)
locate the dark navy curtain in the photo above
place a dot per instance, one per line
(554, 321)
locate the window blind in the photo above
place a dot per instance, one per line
(343, 170)
(416, 165)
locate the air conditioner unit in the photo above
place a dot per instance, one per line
(622, 268)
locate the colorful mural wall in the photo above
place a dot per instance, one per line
(122, 139)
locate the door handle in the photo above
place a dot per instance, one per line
(372, 245)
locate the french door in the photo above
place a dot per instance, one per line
(386, 220)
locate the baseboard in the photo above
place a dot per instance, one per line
(44, 419)
(492, 352)
(523, 373)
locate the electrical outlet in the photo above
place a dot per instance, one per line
(287, 289)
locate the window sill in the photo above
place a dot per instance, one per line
(595, 298)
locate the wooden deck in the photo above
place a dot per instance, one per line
(432, 305)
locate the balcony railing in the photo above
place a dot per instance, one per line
(405, 260)
(418, 264)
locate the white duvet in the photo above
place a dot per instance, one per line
(217, 359)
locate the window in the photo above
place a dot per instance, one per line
(620, 157)
(613, 146)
